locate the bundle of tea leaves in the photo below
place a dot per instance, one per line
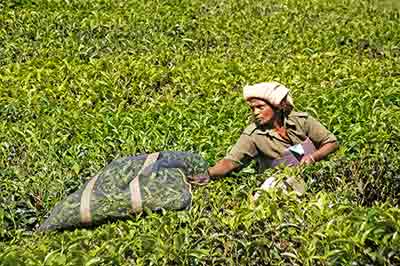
(128, 185)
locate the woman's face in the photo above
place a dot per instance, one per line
(263, 112)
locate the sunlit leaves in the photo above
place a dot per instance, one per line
(85, 82)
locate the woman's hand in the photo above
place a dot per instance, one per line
(319, 154)
(307, 159)
(198, 180)
(222, 168)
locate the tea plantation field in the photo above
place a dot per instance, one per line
(86, 82)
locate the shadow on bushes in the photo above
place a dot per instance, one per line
(368, 179)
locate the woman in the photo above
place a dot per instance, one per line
(278, 135)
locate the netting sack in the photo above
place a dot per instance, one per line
(126, 186)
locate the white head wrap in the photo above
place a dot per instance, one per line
(272, 92)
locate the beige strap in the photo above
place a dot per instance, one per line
(86, 217)
(136, 197)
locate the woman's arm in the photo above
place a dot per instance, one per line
(222, 168)
(320, 154)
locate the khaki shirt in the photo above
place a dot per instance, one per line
(266, 145)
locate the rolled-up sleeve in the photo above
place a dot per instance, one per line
(319, 134)
(243, 151)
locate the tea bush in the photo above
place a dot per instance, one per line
(85, 82)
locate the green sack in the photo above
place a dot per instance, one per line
(126, 186)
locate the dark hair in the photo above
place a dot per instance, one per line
(285, 107)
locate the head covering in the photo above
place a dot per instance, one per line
(272, 92)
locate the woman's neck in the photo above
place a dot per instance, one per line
(278, 121)
(278, 125)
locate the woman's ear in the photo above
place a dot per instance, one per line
(285, 106)
(283, 103)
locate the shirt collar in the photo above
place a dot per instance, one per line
(289, 123)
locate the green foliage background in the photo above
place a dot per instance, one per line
(84, 82)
